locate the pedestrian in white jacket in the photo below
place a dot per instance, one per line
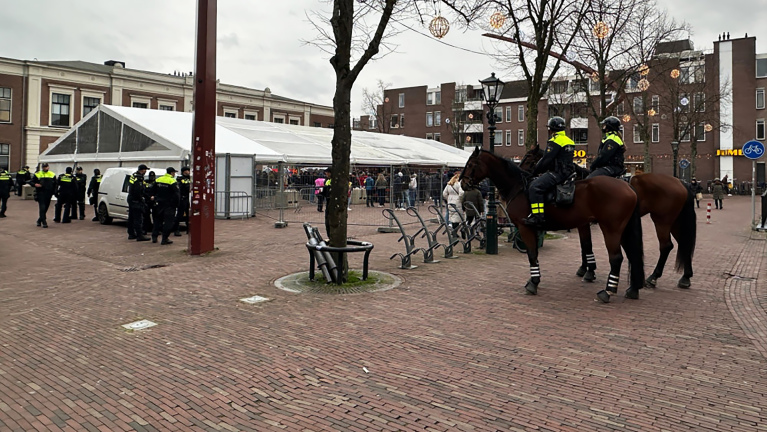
(453, 194)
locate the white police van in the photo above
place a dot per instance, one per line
(113, 193)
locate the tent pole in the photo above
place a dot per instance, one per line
(202, 214)
(282, 198)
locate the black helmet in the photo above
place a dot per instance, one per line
(557, 124)
(186, 168)
(611, 124)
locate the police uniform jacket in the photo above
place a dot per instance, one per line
(558, 156)
(165, 191)
(67, 188)
(93, 187)
(22, 177)
(81, 180)
(136, 189)
(184, 185)
(6, 184)
(611, 152)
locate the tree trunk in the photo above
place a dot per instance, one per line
(336, 213)
(532, 122)
(693, 156)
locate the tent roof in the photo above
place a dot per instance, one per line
(270, 142)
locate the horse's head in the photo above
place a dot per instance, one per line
(475, 170)
(531, 158)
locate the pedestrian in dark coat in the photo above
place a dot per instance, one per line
(6, 185)
(81, 181)
(697, 191)
(44, 182)
(165, 195)
(474, 196)
(22, 177)
(718, 192)
(93, 193)
(184, 188)
(136, 205)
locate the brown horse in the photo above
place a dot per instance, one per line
(620, 222)
(671, 207)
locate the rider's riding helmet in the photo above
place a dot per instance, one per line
(557, 124)
(611, 124)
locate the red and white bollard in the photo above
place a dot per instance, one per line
(708, 213)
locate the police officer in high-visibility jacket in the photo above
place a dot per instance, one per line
(44, 182)
(81, 180)
(66, 196)
(182, 214)
(165, 194)
(93, 193)
(609, 161)
(556, 166)
(22, 177)
(6, 185)
(136, 204)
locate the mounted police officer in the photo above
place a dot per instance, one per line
(136, 204)
(609, 162)
(182, 214)
(93, 193)
(81, 180)
(165, 196)
(556, 166)
(44, 182)
(22, 177)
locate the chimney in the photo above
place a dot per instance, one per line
(115, 63)
(728, 35)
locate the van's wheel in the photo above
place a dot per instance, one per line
(104, 218)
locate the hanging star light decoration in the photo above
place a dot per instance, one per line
(497, 20)
(439, 27)
(600, 30)
(708, 127)
(468, 139)
(626, 118)
(675, 73)
(651, 112)
(471, 116)
(386, 100)
(644, 70)
(643, 84)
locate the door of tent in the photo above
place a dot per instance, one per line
(234, 186)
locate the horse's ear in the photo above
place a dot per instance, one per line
(476, 150)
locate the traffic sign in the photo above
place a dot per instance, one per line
(753, 149)
(684, 164)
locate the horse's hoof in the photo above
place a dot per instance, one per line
(632, 294)
(589, 276)
(603, 296)
(651, 282)
(531, 288)
(581, 271)
(684, 282)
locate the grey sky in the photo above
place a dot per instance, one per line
(260, 42)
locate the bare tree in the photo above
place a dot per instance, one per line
(373, 104)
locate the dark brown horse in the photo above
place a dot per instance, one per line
(620, 222)
(671, 207)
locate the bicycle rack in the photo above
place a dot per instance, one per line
(431, 237)
(452, 239)
(410, 248)
(320, 253)
(463, 227)
(478, 229)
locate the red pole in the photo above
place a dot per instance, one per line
(202, 210)
(708, 213)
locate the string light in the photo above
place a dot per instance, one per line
(675, 73)
(626, 118)
(600, 30)
(439, 27)
(708, 127)
(651, 112)
(594, 77)
(643, 84)
(468, 139)
(497, 20)
(644, 70)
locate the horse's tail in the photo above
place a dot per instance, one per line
(687, 228)
(633, 245)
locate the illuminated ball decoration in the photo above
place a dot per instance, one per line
(644, 70)
(643, 84)
(386, 100)
(684, 101)
(651, 112)
(595, 77)
(497, 20)
(600, 30)
(626, 118)
(708, 127)
(675, 73)
(439, 27)
(471, 116)
(468, 139)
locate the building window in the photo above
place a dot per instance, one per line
(5, 156)
(684, 133)
(655, 132)
(394, 121)
(295, 121)
(253, 117)
(429, 119)
(60, 109)
(166, 107)
(498, 138)
(279, 120)
(90, 104)
(761, 67)
(429, 98)
(620, 109)
(498, 114)
(438, 98)
(429, 136)
(331, 125)
(143, 105)
(234, 115)
(316, 124)
(699, 101)
(372, 122)
(656, 104)
(760, 129)
(521, 113)
(402, 120)
(521, 137)
(638, 105)
(402, 100)
(759, 100)
(700, 132)
(637, 134)
(508, 114)
(580, 136)
(508, 137)
(438, 137)
(5, 105)
(437, 118)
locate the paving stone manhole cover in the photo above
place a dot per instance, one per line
(300, 283)
(139, 325)
(144, 267)
(255, 299)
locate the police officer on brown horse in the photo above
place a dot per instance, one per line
(609, 162)
(556, 166)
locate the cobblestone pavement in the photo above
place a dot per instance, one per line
(457, 346)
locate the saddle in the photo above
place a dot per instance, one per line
(564, 193)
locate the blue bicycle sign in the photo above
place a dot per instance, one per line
(684, 163)
(753, 149)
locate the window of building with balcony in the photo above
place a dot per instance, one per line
(5, 105)
(429, 119)
(60, 109)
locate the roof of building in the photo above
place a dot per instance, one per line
(515, 89)
(673, 47)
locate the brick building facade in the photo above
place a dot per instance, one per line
(40, 100)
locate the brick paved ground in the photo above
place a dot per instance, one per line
(456, 347)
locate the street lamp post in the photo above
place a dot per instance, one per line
(675, 150)
(491, 90)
